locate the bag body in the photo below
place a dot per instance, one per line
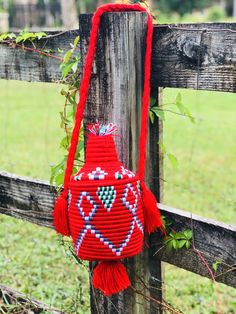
(105, 208)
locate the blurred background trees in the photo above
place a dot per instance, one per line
(50, 14)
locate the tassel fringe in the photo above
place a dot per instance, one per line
(152, 216)
(110, 277)
(60, 217)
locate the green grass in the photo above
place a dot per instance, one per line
(212, 14)
(33, 261)
(30, 130)
(204, 183)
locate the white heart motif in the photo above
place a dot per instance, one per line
(88, 226)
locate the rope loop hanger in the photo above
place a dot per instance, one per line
(104, 192)
(86, 80)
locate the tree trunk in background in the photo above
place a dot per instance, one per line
(69, 14)
(49, 20)
(4, 24)
(151, 4)
(82, 7)
(222, 4)
(234, 9)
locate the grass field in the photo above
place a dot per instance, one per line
(33, 261)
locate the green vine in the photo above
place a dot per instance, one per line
(175, 107)
(176, 240)
(69, 69)
(22, 37)
(179, 240)
(18, 41)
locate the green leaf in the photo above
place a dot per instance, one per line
(172, 235)
(77, 38)
(27, 36)
(175, 244)
(74, 170)
(59, 178)
(159, 113)
(55, 170)
(215, 265)
(173, 160)
(64, 92)
(48, 50)
(166, 221)
(65, 69)
(7, 36)
(183, 109)
(179, 236)
(163, 148)
(178, 100)
(152, 101)
(182, 243)
(72, 100)
(3, 37)
(65, 142)
(40, 35)
(19, 39)
(188, 244)
(169, 245)
(151, 116)
(67, 56)
(64, 120)
(80, 147)
(74, 66)
(188, 234)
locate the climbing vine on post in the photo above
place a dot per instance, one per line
(69, 70)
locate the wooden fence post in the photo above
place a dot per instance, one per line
(115, 96)
(154, 179)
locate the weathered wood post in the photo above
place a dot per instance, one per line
(115, 96)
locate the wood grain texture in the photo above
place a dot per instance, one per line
(115, 96)
(198, 56)
(22, 304)
(194, 56)
(17, 64)
(215, 241)
(28, 199)
(33, 200)
(154, 173)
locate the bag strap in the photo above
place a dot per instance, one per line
(85, 87)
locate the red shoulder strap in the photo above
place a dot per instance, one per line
(85, 87)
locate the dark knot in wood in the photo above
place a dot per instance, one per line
(193, 52)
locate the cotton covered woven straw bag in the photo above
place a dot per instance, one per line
(105, 207)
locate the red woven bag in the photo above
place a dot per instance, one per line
(105, 207)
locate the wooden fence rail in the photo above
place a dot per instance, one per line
(197, 56)
(194, 56)
(21, 303)
(32, 200)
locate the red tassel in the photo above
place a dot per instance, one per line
(60, 217)
(152, 216)
(110, 277)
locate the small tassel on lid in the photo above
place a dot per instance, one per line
(60, 215)
(110, 277)
(152, 216)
